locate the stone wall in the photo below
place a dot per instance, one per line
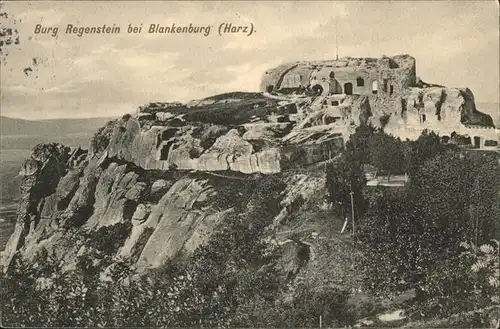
(340, 77)
(392, 75)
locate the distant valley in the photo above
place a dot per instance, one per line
(17, 138)
(24, 134)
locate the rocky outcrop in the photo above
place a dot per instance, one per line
(469, 114)
(442, 107)
(69, 197)
(259, 146)
(362, 76)
(152, 172)
(59, 197)
(42, 173)
(384, 92)
(294, 256)
(180, 222)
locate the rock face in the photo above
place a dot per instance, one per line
(258, 146)
(180, 222)
(294, 256)
(448, 111)
(362, 76)
(40, 193)
(60, 196)
(148, 180)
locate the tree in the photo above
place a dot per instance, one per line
(485, 199)
(440, 194)
(427, 146)
(342, 178)
(389, 234)
(413, 240)
(357, 147)
(387, 153)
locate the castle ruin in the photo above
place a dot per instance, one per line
(303, 115)
(394, 96)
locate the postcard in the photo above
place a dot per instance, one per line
(250, 164)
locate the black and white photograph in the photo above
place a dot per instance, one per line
(250, 164)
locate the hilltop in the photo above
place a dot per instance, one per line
(231, 210)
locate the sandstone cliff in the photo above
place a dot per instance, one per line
(79, 205)
(160, 175)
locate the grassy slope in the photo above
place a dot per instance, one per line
(249, 105)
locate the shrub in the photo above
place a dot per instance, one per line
(309, 304)
(108, 239)
(101, 138)
(412, 239)
(387, 153)
(342, 178)
(485, 269)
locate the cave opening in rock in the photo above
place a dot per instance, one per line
(423, 118)
(391, 89)
(169, 133)
(348, 88)
(360, 82)
(317, 89)
(165, 135)
(269, 88)
(374, 87)
(404, 103)
(165, 150)
(477, 142)
(304, 254)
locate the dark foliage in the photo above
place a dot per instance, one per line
(108, 239)
(342, 179)
(357, 147)
(231, 113)
(413, 239)
(427, 146)
(101, 138)
(387, 154)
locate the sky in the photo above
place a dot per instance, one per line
(455, 43)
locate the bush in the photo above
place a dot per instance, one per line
(387, 154)
(102, 137)
(427, 146)
(342, 178)
(108, 239)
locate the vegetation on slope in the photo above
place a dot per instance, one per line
(436, 237)
(230, 109)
